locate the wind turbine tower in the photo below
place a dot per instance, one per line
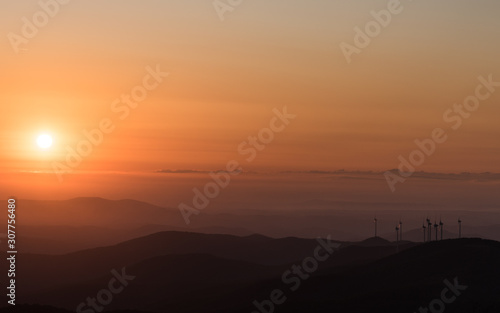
(459, 228)
(424, 229)
(441, 225)
(400, 230)
(375, 221)
(429, 230)
(397, 238)
(436, 228)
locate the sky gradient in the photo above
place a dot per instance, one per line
(225, 79)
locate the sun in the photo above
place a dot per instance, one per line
(44, 141)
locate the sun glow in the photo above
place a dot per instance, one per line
(44, 141)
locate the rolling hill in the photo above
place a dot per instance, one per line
(189, 272)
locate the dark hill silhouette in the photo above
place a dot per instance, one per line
(356, 278)
(175, 276)
(27, 308)
(403, 282)
(416, 235)
(37, 274)
(374, 242)
(48, 239)
(114, 221)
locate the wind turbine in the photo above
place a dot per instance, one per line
(423, 229)
(400, 229)
(436, 228)
(375, 221)
(459, 228)
(397, 238)
(429, 229)
(441, 224)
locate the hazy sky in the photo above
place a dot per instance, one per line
(226, 77)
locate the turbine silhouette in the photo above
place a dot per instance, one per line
(424, 229)
(429, 230)
(400, 230)
(441, 224)
(397, 238)
(459, 228)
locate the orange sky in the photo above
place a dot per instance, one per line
(227, 77)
